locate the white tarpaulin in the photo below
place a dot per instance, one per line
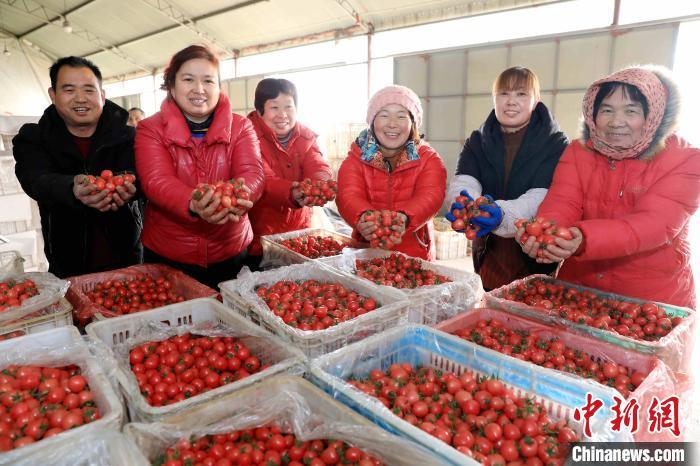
(24, 83)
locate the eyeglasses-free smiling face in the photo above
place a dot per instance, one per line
(620, 120)
(280, 114)
(514, 107)
(392, 126)
(78, 97)
(196, 90)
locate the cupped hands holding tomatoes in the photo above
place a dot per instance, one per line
(314, 193)
(221, 202)
(313, 305)
(14, 293)
(474, 217)
(40, 402)
(477, 416)
(184, 366)
(382, 228)
(267, 445)
(546, 242)
(106, 191)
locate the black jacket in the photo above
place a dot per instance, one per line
(483, 157)
(48, 159)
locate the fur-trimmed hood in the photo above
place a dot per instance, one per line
(669, 121)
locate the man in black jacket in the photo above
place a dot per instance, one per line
(79, 134)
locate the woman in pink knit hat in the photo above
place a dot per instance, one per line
(627, 190)
(389, 167)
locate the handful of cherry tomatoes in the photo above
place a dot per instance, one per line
(312, 305)
(108, 181)
(462, 221)
(227, 192)
(478, 416)
(544, 231)
(14, 293)
(184, 366)
(40, 402)
(267, 446)
(647, 321)
(318, 192)
(385, 236)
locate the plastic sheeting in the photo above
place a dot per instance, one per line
(51, 290)
(295, 406)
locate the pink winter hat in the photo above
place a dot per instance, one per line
(395, 95)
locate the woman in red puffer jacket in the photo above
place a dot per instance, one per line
(290, 155)
(389, 167)
(195, 138)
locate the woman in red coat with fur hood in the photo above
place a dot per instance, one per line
(627, 189)
(389, 167)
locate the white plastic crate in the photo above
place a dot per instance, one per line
(292, 403)
(391, 311)
(451, 245)
(47, 302)
(420, 345)
(427, 304)
(60, 317)
(60, 347)
(99, 447)
(275, 254)
(121, 333)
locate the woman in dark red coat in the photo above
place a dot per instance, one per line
(290, 155)
(195, 138)
(389, 167)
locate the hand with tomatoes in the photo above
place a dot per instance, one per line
(123, 193)
(487, 223)
(367, 228)
(559, 251)
(298, 195)
(242, 205)
(458, 206)
(206, 209)
(100, 200)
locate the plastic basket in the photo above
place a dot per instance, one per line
(428, 304)
(674, 349)
(660, 381)
(85, 310)
(60, 347)
(98, 447)
(392, 308)
(120, 332)
(291, 402)
(450, 245)
(47, 302)
(275, 254)
(62, 316)
(420, 345)
(11, 263)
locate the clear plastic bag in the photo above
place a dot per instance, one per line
(51, 290)
(295, 406)
(60, 347)
(392, 307)
(429, 304)
(95, 448)
(84, 309)
(11, 263)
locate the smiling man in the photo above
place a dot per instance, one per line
(80, 134)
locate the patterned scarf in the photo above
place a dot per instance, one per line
(656, 94)
(371, 154)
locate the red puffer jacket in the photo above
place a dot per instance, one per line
(169, 165)
(416, 188)
(276, 212)
(634, 217)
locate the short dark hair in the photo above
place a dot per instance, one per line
(628, 90)
(73, 62)
(270, 88)
(187, 54)
(136, 109)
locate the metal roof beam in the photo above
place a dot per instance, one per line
(56, 18)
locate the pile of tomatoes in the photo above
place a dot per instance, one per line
(227, 192)
(140, 293)
(40, 402)
(385, 236)
(645, 321)
(108, 181)
(314, 246)
(551, 353)
(398, 271)
(470, 210)
(312, 305)
(479, 417)
(14, 293)
(318, 192)
(545, 231)
(184, 366)
(267, 446)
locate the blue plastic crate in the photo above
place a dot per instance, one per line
(419, 345)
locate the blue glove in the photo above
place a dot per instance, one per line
(458, 206)
(488, 224)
